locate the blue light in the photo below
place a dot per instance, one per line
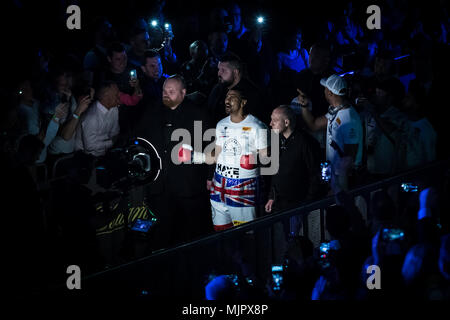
(401, 57)
(260, 19)
(154, 23)
(136, 142)
(344, 74)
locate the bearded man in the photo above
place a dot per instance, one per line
(231, 74)
(178, 197)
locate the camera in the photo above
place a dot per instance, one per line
(392, 234)
(137, 163)
(409, 187)
(277, 276)
(133, 74)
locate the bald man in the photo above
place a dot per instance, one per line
(298, 177)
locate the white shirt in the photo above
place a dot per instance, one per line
(237, 140)
(97, 128)
(343, 128)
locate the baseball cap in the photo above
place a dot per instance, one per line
(335, 84)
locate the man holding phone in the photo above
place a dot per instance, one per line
(344, 129)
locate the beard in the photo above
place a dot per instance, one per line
(170, 103)
(225, 83)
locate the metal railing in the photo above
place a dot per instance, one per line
(181, 271)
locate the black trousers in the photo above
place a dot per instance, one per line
(180, 219)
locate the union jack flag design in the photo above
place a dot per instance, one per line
(234, 192)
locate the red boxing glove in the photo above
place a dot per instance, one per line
(248, 161)
(185, 153)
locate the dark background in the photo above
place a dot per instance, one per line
(28, 25)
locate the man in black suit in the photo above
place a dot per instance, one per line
(179, 197)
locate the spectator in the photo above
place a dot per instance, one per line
(308, 82)
(386, 119)
(238, 30)
(191, 69)
(259, 59)
(218, 47)
(29, 115)
(238, 27)
(152, 78)
(95, 59)
(301, 270)
(344, 131)
(58, 90)
(388, 255)
(295, 57)
(420, 272)
(413, 105)
(64, 142)
(140, 43)
(219, 19)
(99, 127)
(119, 72)
(129, 87)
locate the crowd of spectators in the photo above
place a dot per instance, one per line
(63, 102)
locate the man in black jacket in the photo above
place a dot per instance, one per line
(298, 177)
(231, 75)
(178, 197)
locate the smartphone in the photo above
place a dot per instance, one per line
(133, 74)
(142, 225)
(324, 248)
(277, 277)
(409, 187)
(325, 171)
(391, 234)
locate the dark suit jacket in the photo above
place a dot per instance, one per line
(157, 125)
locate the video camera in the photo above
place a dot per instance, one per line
(136, 164)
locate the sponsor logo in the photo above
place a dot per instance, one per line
(229, 172)
(232, 147)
